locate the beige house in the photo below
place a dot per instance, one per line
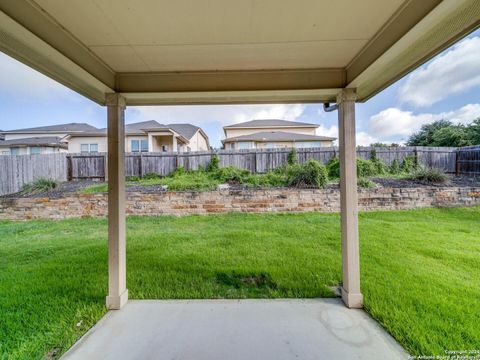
(147, 136)
(273, 133)
(40, 140)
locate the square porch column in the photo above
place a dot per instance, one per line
(351, 295)
(117, 291)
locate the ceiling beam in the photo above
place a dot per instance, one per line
(399, 24)
(231, 80)
(447, 23)
(34, 19)
(232, 97)
(23, 45)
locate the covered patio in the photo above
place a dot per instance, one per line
(231, 52)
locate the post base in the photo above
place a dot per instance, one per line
(118, 301)
(352, 301)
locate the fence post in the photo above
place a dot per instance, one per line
(457, 163)
(415, 157)
(69, 168)
(141, 165)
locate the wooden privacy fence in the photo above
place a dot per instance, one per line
(15, 171)
(94, 166)
(468, 160)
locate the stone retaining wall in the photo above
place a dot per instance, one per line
(265, 200)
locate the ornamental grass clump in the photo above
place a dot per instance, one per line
(39, 186)
(429, 175)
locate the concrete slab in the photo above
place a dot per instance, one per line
(236, 329)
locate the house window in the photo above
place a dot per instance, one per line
(139, 145)
(307, 144)
(246, 145)
(88, 148)
(14, 151)
(34, 150)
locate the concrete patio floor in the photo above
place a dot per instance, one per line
(236, 329)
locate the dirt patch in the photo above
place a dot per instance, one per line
(453, 181)
(250, 280)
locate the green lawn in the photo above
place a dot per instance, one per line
(420, 271)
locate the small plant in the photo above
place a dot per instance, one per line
(132, 178)
(39, 186)
(409, 164)
(429, 175)
(365, 183)
(292, 157)
(180, 171)
(380, 167)
(312, 173)
(394, 167)
(213, 165)
(151, 176)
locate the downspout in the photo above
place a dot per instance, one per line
(329, 108)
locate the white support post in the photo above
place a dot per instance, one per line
(117, 290)
(351, 295)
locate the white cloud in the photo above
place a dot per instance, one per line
(22, 82)
(363, 138)
(453, 72)
(393, 122)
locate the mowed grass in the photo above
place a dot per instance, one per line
(420, 273)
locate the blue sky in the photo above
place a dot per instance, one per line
(446, 87)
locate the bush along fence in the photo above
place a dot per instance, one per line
(257, 161)
(15, 171)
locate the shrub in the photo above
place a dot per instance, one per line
(312, 173)
(231, 174)
(271, 178)
(428, 175)
(365, 183)
(365, 168)
(380, 167)
(132, 178)
(292, 157)
(213, 165)
(394, 167)
(409, 164)
(333, 167)
(38, 186)
(150, 176)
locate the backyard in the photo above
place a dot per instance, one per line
(419, 271)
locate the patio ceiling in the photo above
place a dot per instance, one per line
(228, 51)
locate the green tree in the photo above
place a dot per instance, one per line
(425, 136)
(473, 131)
(454, 135)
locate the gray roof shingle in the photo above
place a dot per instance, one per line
(268, 123)
(35, 141)
(278, 136)
(186, 130)
(72, 127)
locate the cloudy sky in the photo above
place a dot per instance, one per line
(447, 87)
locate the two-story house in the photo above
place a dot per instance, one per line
(273, 133)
